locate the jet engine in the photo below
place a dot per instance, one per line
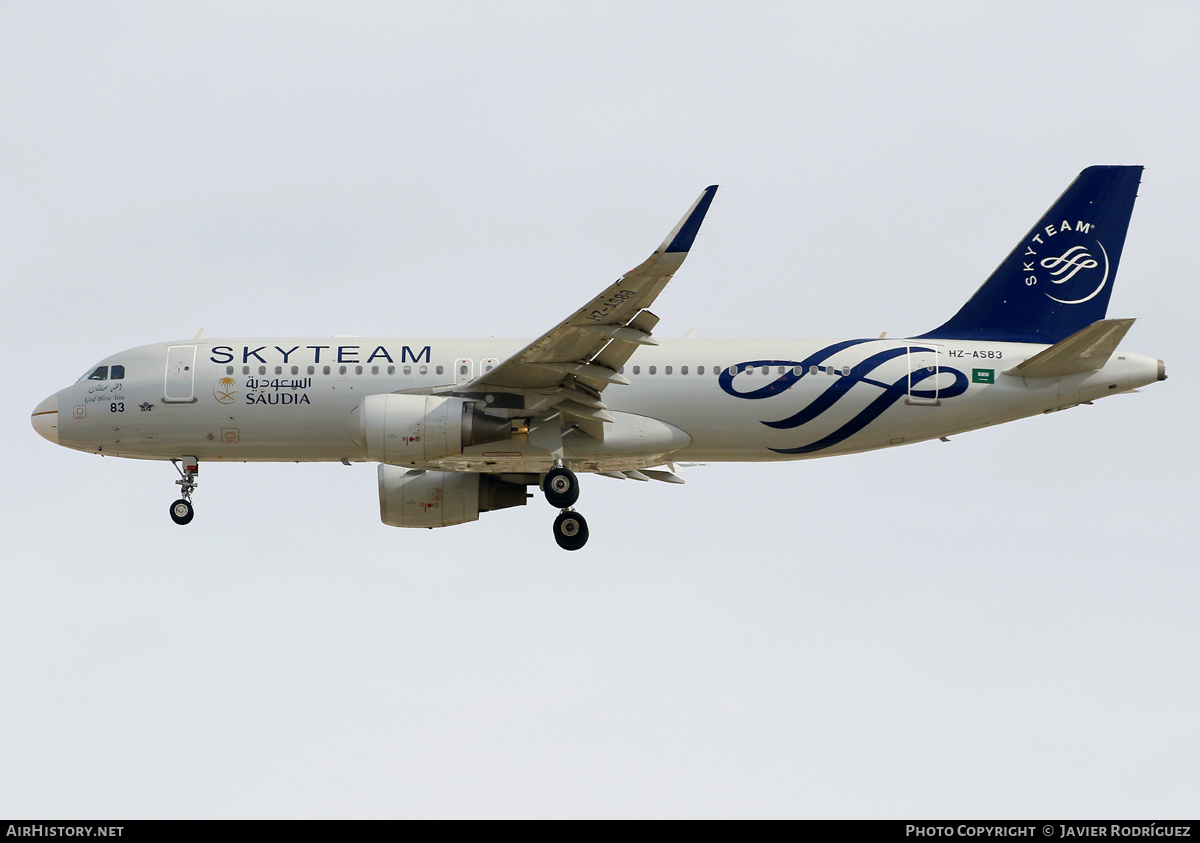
(416, 429)
(441, 498)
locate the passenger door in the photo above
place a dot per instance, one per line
(179, 382)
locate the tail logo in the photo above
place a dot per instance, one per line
(1070, 263)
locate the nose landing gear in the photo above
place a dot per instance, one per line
(182, 511)
(562, 490)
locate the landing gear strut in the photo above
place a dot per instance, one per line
(562, 490)
(182, 511)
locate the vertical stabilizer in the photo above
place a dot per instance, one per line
(1059, 277)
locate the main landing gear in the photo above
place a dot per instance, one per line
(562, 490)
(182, 511)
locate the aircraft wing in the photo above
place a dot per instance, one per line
(581, 355)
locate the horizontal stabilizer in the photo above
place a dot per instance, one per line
(1084, 351)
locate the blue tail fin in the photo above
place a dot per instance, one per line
(1059, 277)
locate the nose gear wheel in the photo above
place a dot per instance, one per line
(182, 510)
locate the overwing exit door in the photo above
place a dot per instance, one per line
(462, 371)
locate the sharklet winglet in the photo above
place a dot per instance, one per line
(684, 234)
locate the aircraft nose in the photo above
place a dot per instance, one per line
(45, 419)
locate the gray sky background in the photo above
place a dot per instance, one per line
(1002, 626)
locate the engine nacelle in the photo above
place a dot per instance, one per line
(441, 498)
(417, 429)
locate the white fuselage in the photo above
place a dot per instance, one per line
(296, 399)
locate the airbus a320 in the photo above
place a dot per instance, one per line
(464, 426)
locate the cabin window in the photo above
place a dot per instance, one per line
(391, 370)
(262, 370)
(621, 370)
(766, 370)
(279, 370)
(341, 370)
(782, 370)
(295, 370)
(441, 369)
(462, 370)
(101, 374)
(325, 370)
(408, 370)
(683, 370)
(667, 370)
(245, 370)
(846, 371)
(653, 370)
(637, 370)
(797, 370)
(812, 370)
(358, 370)
(229, 370)
(424, 370)
(374, 370)
(699, 370)
(312, 370)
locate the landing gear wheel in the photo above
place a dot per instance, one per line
(570, 530)
(188, 468)
(182, 512)
(561, 487)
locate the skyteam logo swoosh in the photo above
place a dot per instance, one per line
(1070, 263)
(888, 393)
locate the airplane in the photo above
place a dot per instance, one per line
(464, 426)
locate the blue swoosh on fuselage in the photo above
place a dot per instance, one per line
(892, 392)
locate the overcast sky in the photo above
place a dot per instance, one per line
(1001, 626)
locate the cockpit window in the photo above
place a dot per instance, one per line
(101, 374)
(118, 373)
